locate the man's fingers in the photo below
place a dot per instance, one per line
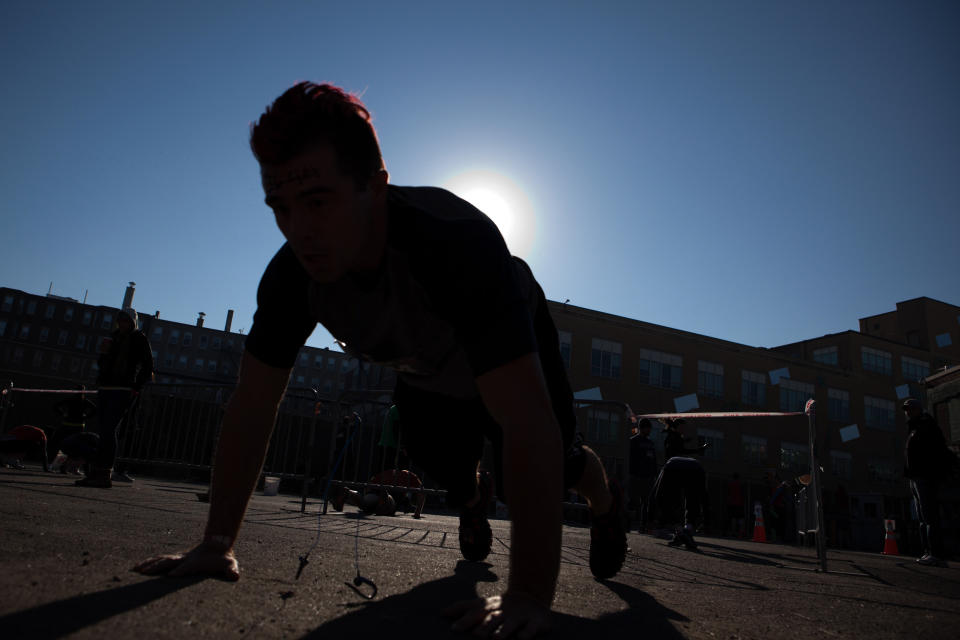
(460, 607)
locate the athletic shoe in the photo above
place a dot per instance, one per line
(676, 539)
(96, 478)
(932, 561)
(608, 540)
(922, 559)
(688, 540)
(476, 537)
(121, 476)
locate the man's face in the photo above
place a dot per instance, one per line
(325, 217)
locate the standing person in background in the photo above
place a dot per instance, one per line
(643, 472)
(126, 364)
(927, 462)
(74, 412)
(735, 516)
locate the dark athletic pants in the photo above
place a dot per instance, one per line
(445, 435)
(681, 491)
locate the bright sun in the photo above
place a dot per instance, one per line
(503, 201)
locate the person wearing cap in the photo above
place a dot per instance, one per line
(125, 365)
(927, 462)
(674, 442)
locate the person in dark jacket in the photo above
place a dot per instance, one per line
(126, 364)
(643, 471)
(927, 463)
(681, 493)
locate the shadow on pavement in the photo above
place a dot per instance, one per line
(63, 617)
(416, 614)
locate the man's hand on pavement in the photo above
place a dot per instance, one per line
(202, 560)
(507, 616)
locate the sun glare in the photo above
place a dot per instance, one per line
(503, 201)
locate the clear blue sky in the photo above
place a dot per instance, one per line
(761, 172)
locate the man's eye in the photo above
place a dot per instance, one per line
(318, 204)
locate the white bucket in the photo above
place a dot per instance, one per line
(271, 485)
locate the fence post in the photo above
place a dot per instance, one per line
(6, 401)
(311, 439)
(815, 481)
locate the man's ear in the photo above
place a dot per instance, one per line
(378, 182)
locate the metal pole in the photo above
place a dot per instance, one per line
(815, 481)
(311, 439)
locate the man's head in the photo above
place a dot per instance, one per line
(127, 320)
(323, 176)
(643, 427)
(912, 407)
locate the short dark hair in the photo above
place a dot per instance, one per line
(308, 114)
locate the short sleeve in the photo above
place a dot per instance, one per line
(282, 322)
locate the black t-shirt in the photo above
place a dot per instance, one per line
(448, 303)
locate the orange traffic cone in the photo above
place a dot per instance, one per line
(759, 530)
(890, 542)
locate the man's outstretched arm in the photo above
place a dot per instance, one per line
(244, 437)
(516, 396)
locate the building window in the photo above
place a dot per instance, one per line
(55, 362)
(167, 359)
(566, 346)
(841, 464)
(50, 311)
(198, 364)
(754, 450)
(17, 356)
(318, 362)
(81, 341)
(182, 362)
(211, 366)
(331, 364)
(215, 343)
(174, 337)
(7, 303)
(879, 470)
(914, 370)
(75, 365)
(301, 380)
(794, 394)
(838, 404)
(879, 413)
(876, 361)
(24, 331)
(68, 314)
(87, 318)
(37, 359)
(3, 327)
(107, 321)
(659, 369)
(794, 459)
(187, 338)
(710, 379)
(605, 359)
(304, 359)
(157, 335)
(943, 340)
(826, 355)
(202, 341)
(753, 388)
(327, 386)
(62, 338)
(31, 307)
(714, 439)
(603, 426)
(44, 334)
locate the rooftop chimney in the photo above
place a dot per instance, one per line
(200, 319)
(128, 296)
(229, 320)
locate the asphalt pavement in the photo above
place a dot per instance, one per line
(66, 555)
